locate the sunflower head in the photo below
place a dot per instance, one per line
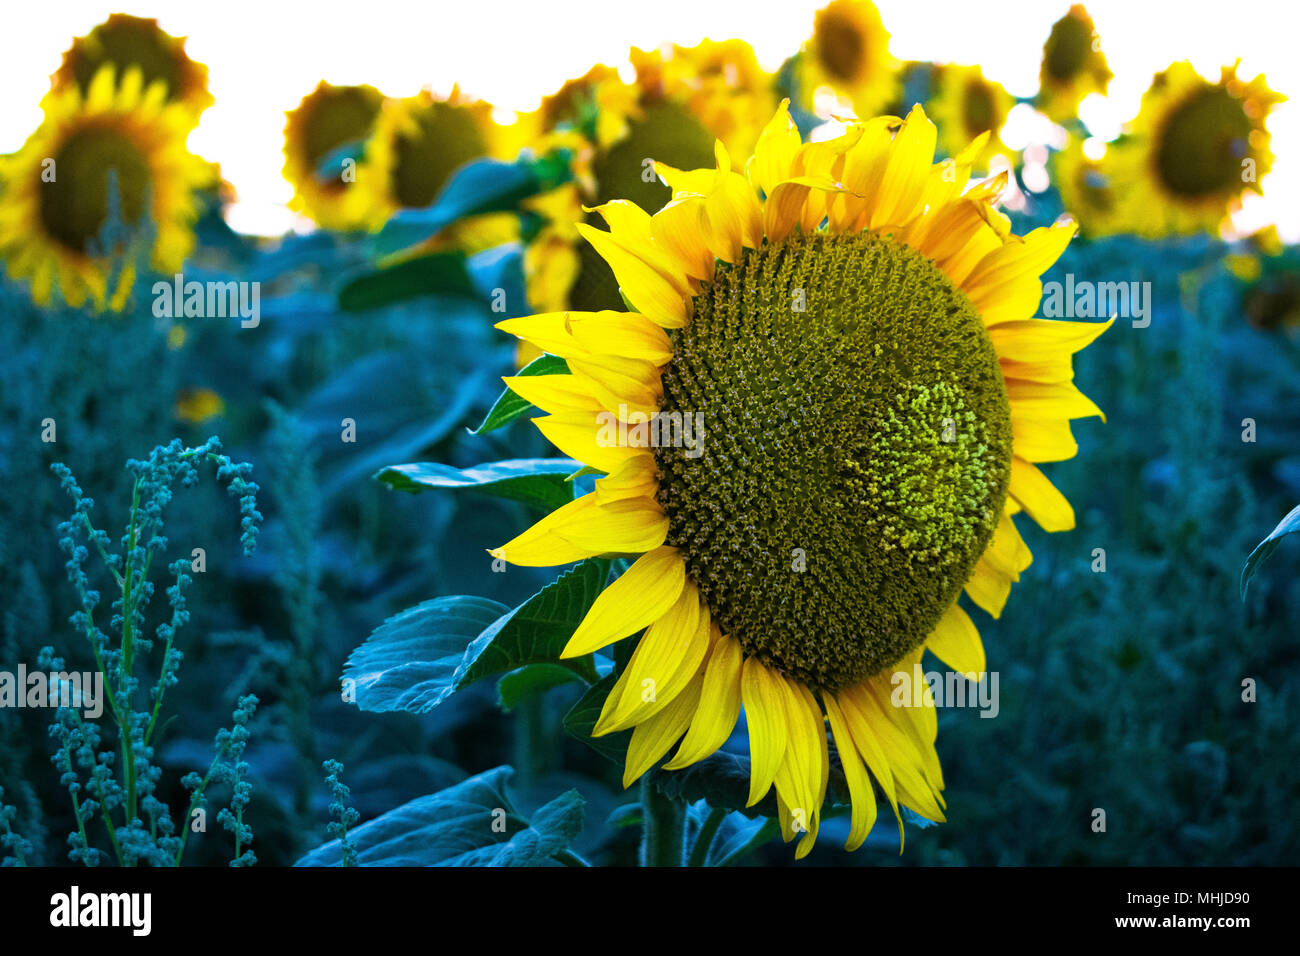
(1088, 191)
(121, 147)
(966, 105)
(331, 119)
(1073, 65)
(418, 142)
(124, 41)
(720, 84)
(1194, 150)
(814, 427)
(849, 52)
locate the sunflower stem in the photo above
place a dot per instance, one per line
(663, 827)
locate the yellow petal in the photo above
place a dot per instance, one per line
(861, 795)
(665, 659)
(719, 707)
(553, 393)
(646, 288)
(775, 151)
(1039, 400)
(635, 478)
(628, 335)
(1004, 286)
(1043, 340)
(540, 546)
(906, 172)
(651, 740)
(988, 587)
(623, 385)
(682, 228)
(761, 693)
(549, 331)
(1042, 439)
(641, 596)
(856, 716)
(590, 437)
(956, 641)
(629, 526)
(1039, 497)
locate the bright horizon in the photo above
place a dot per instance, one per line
(264, 57)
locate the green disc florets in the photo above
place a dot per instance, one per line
(856, 452)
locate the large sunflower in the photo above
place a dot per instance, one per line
(1073, 66)
(966, 104)
(325, 183)
(56, 195)
(873, 395)
(849, 52)
(1193, 151)
(125, 41)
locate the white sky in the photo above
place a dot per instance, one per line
(264, 55)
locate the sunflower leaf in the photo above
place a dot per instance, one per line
(455, 827)
(532, 679)
(582, 716)
(510, 407)
(412, 661)
(1288, 525)
(482, 186)
(536, 631)
(538, 482)
(439, 272)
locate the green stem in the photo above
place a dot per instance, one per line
(704, 842)
(532, 743)
(663, 829)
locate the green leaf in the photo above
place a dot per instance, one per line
(539, 482)
(483, 186)
(721, 779)
(510, 407)
(532, 679)
(536, 631)
(439, 272)
(455, 827)
(413, 660)
(1288, 525)
(581, 720)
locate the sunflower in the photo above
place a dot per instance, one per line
(1073, 66)
(850, 396)
(682, 100)
(125, 41)
(1193, 151)
(1087, 190)
(965, 104)
(57, 196)
(331, 119)
(719, 83)
(849, 52)
(419, 141)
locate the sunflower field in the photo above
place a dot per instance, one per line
(723, 463)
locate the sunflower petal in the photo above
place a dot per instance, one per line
(761, 694)
(640, 597)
